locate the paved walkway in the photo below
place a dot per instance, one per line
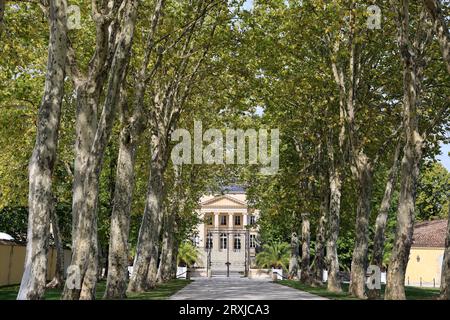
(239, 289)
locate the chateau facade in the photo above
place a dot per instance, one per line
(227, 237)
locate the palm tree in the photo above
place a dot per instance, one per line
(187, 254)
(274, 255)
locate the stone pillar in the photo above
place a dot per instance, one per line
(231, 220)
(245, 219)
(216, 220)
(216, 235)
(202, 233)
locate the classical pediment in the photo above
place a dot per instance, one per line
(223, 201)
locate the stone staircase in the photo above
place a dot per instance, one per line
(223, 274)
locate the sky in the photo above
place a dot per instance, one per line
(444, 158)
(248, 4)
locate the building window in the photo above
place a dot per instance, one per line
(253, 241)
(237, 220)
(209, 220)
(223, 241)
(237, 242)
(209, 241)
(252, 220)
(223, 220)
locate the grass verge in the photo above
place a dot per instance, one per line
(161, 292)
(412, 293)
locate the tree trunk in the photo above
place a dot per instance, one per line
(83, 233)
(142, 258)
(395, 288)
(359, 258)
(434, 8)
(165, 265)
(58, 278)
(295, 253)
(148, 239)
(163, 262)
(85, 131)
(116, 283)
(381, 221)
(89, 280)
(319, 264)
(156, 227)
(174, 262)
(305, 274)
(445, 274)
(334, 283)
(2, 15)
(42, 162)
(92, 140)
(412, 153)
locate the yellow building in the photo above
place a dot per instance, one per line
(427, 252)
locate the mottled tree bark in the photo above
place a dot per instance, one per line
(434, 8)
(319, 264)
(382, 217)
(168, 100)
(85, 127)
(85, 248)
(116, 284)
(359, 258)
(361, 166)
(174, 262)
(142, 258)
(336, 161)
(42, 162)
(165, 265)
(395, 288)
(294, 258)
(156, 219)
(305, 273)
(58, 278)
(334, 283)
(445, 274)
(2, 15)
(147, 247)
(412, 153)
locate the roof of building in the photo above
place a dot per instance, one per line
(430, 234)
(232, 189)
(233, 199)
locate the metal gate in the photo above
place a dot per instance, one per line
(228, 253)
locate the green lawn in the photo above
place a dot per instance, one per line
(412, 293)
(162, 291)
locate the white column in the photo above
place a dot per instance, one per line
(230, 220)
(202, 233)
(216, 235)
(216, 220)
(245, 219)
